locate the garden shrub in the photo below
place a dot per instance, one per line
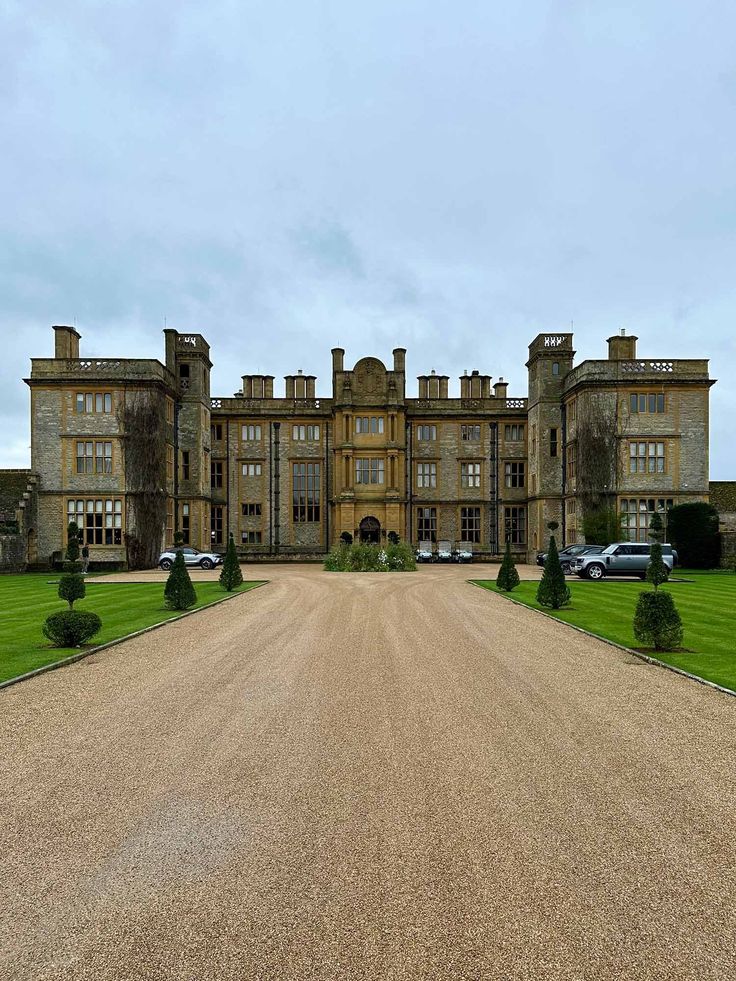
(657, 622)
(508, 577)
(553, 591)
(601, 526)
(231, 576)
(365, 557)
(179, 593)
(70, 628)
(693, 530)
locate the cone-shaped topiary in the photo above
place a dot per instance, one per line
(508, 577)
(71, 584)
(657, 622)
(179, 592)
(657, 571)
(656, 527)
(553, 591)
(231, 576)
(72, 542)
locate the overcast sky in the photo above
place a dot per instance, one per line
(285, 176)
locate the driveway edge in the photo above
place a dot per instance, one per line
(612, 643)
(119, 640)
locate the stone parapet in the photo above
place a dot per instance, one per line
(86, 370)
(637, 372)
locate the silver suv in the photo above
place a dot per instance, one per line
(621, 559)
(192, 557)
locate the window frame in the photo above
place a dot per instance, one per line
(471, 525)
(106, 522)
(306, 491)
(514, 474)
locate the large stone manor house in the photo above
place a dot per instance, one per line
(286, 473)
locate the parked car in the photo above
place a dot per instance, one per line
(444, 551)
(463, 552)
(424, 552)
(621, 559)
(192, 557)
(569, 553)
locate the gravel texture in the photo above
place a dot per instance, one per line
(340, 776)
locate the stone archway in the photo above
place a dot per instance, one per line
(370, 530)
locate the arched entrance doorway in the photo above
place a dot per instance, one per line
(370, 530)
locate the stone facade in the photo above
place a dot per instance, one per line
(288, 475)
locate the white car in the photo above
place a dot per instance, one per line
(424, 553)
(192, 557)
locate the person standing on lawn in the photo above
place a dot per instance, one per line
(85, 559)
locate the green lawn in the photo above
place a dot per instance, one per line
(707, 605)
(26, 601)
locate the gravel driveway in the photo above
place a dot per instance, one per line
(366, 777)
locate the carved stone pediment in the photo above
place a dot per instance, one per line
(370, 381)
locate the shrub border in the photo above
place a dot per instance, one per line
(119, 640)
(611, 643)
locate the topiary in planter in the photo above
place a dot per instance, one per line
(179, 593)
(70, 628)
(553, 591)
(231, 576)
(657, 622)
(508, 577)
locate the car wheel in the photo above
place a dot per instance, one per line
(565, 566)
(206, 563)
(595, 571)
(165, 564)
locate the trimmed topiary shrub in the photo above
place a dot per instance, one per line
(231, 576)
(72, 587)
(71, 584)
(179, 593)
(346, 538)
(393, 537)
(72, 542)
(553, 591)
(70, 628)
(656, 527)
(657, 571)
(508, 577)
(657, 622)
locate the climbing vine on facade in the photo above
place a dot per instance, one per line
(142, 419)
